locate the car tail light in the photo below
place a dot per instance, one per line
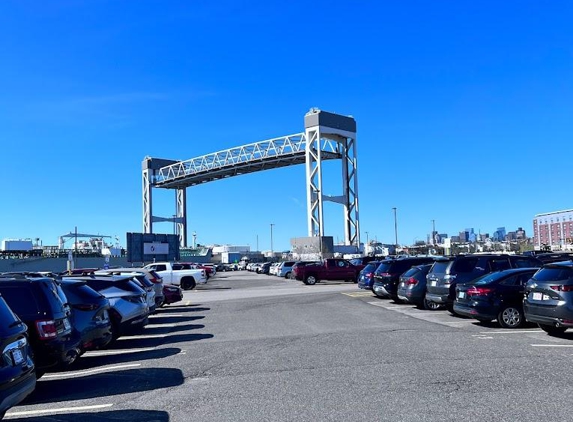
(479, 291)
(562, 288)
(155, 280)
(47, 329)
(86, 307)
(385, 275)
(411, 281)
(369, 275)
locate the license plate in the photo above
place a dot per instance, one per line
(17, 357)
(433, 283)
(537, 296)
(462, 295)
(67, 325)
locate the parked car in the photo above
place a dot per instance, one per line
(90, 314)
(388, 274)
(42, 305)
(549, 298)
(265, 268)
(363, 261)
(172, 294)
(17, 375)
(285, 269)
(176, 273)
(147, 279)
(412, 287)
(496, 295)
(128, 304)
(327, 269)
(446, 274)
(366, 276)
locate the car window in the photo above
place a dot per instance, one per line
(510, 281)
(177, 267)
(553, 274)
(410, 272)
(6, 314)
(383, 267)
(20, 299)
(499, 264)
(440, 267)
(525, 262)
(464, 265)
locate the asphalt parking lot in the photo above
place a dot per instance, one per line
(248, 347)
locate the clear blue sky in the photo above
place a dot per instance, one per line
(464, 112)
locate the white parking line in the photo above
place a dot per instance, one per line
(60, 410)
(428, 316)
(97, 353)
(144, 336)
(72, 374)
(512, 332)
(165, 314)
(552, 345)
(163, 325)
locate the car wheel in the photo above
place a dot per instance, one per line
(188, 283)
(510, 317)
(287, 275)
(431, 306)
(380, 295)
(311, 280)
(552, 330)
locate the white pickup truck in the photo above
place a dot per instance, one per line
(173, 273)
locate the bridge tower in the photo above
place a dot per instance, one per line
(320, 126)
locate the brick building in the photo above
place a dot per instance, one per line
(553, 229)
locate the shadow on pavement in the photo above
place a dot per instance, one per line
(169, 330)
(117, 415)
(104, 384)
(167, 319)
(89, 362)
(141, 342)
(179, 309)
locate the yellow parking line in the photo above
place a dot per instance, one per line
(358, 294)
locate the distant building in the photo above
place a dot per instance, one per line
(455, 239)
(520, 234)
(553, 230)
(499, 234)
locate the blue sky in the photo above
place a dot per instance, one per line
(463, 109)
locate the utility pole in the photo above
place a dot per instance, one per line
(395, 227)
(272, 254)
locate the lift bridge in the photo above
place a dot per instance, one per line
(327, 136)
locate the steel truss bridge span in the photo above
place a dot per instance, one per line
(273, 153)
(327, 136)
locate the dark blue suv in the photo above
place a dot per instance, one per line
(17, 376)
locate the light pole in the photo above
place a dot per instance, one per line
(395, 227)
(272, 254)
(366, 237)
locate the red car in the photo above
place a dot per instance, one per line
(172, 293)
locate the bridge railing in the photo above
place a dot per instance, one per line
(268, 150)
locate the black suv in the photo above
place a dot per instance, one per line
(17, 376)
(41, 305)
(549, 297)
(444, 275)
(387, 275)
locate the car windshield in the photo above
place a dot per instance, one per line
(488, 278)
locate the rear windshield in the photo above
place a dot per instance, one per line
(440, 266)
(370, 267)
(21, 300)
(6, 315)
(410, 272)
(56, 296)
(553, 274)
(465, 265)
(76, 292)
(384, 267)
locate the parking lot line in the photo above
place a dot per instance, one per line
(72, 374)
(59, 410)
(552, 345)
(144, 336)
(97, 353)
(512, 332)
(165, 314)
(358, 294)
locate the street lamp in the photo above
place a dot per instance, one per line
(366, 237)
(272, 254)
(395, 227)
